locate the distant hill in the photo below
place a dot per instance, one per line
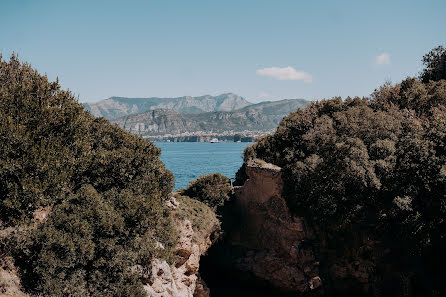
(115, 107)
(256, 117)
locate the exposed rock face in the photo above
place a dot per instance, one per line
(263, 116)
(115, 107)
(296, 257)
(180, 280)
(9, 279)
(10, 283)
(158, 121)
(275, 242)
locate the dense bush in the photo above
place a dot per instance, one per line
(368, 153)
(434, 65)
(374, 166)
(212, 189)
(201, 216)
(106, 188)
(89, 244)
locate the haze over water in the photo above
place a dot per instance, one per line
(189, 160)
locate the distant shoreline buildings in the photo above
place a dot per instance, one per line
(201, 136)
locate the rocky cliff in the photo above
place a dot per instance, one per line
(157, 122)
(276, 244)
(197, 226)
(268, 245)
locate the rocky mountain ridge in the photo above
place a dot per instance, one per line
(263, 116)
(115, 107)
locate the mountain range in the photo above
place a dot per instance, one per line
(115, 107)
(226, 113)
(260, 117)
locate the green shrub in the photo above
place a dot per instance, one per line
(201, 216)
(211, 189)
(106, 187)
(88, 244)
(434, 65)
(371, 166)
(49, 146)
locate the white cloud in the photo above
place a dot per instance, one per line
(383, 59)
(285, 73)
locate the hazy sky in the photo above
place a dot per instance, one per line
(257, 49)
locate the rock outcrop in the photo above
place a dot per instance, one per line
(275, 242)
(293, 256)
(181, 279)
(10, 283)
(9, 279)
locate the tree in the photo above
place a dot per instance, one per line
(372, 168)
(105, 186)
(435, 65)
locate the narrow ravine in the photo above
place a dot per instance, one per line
(224, 280)
(227, 267)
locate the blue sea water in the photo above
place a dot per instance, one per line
(189, 160)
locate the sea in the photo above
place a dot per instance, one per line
(189, 160)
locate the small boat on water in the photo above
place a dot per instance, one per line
(214, 140)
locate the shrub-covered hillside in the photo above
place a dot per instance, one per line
(374, 166)
(105, 189)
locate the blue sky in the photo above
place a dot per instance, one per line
(261, 50)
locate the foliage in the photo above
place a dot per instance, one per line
(107, 188)
(347, 161)
(435, 65)
(201, 216)
(211, 189)
(376, 166)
